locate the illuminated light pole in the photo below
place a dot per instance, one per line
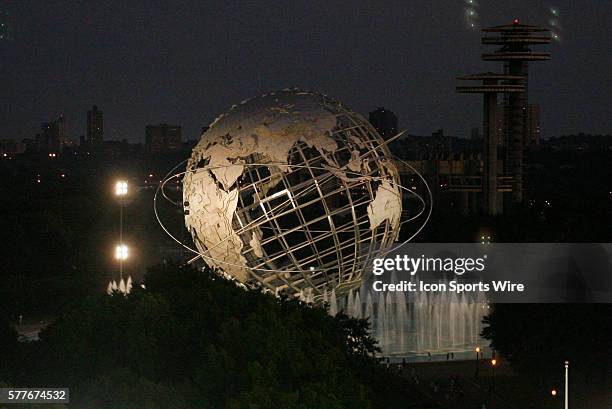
(493, 364)
(477, 350)
(553, 392)
(121, 252)
(121, 190)
(566, 397)
(485, 239)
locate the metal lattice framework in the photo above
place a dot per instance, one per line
(309, 225)
(316, 227)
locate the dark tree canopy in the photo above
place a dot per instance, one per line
(538, 338)
(195, 340)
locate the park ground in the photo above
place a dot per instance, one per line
(453, 384)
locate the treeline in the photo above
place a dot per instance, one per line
(194, 340)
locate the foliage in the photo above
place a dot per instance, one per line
(196, 340)
(538, 338)
(8, 346)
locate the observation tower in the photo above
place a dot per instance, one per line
(491, 85)
(515, 40)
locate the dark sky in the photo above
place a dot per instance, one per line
(186, 62)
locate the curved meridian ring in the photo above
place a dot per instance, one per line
(424, 209)
(292, 192)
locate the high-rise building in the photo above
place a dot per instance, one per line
(95, 126)
(384, 121)
(533, 125)
(162, 138)
(52, 137)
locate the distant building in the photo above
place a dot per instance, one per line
(162, 138)
(52, 137)
(440, 144)
(533, 125)
(10, 147)
(384, 121)
(95, 126)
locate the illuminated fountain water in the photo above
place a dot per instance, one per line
(418, 323)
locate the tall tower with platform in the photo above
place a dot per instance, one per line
(515, 41)
(492, 84)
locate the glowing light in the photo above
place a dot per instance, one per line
(553, 392)
(493, 362)
(121, 188)
(554, 24)
(477, 349)
(515, 21)
(121, 252)
(471, 14)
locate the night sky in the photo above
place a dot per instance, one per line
(186, 62)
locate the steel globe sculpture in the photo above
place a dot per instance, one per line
(292, 192)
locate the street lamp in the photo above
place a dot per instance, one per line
(121, 190)
(477, 363)
(493, 364)
(121, 252)
(566, 385)
(553, 392)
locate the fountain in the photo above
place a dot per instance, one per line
(124, 287)
(415, 324)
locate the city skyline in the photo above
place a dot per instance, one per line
(176, 65)
(305, 204)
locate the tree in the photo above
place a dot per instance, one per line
(8, 348)
(196, 335)
(537, 338)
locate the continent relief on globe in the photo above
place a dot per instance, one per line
(264, 131)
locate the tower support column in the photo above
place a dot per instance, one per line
(516, 131)
(489, 162)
